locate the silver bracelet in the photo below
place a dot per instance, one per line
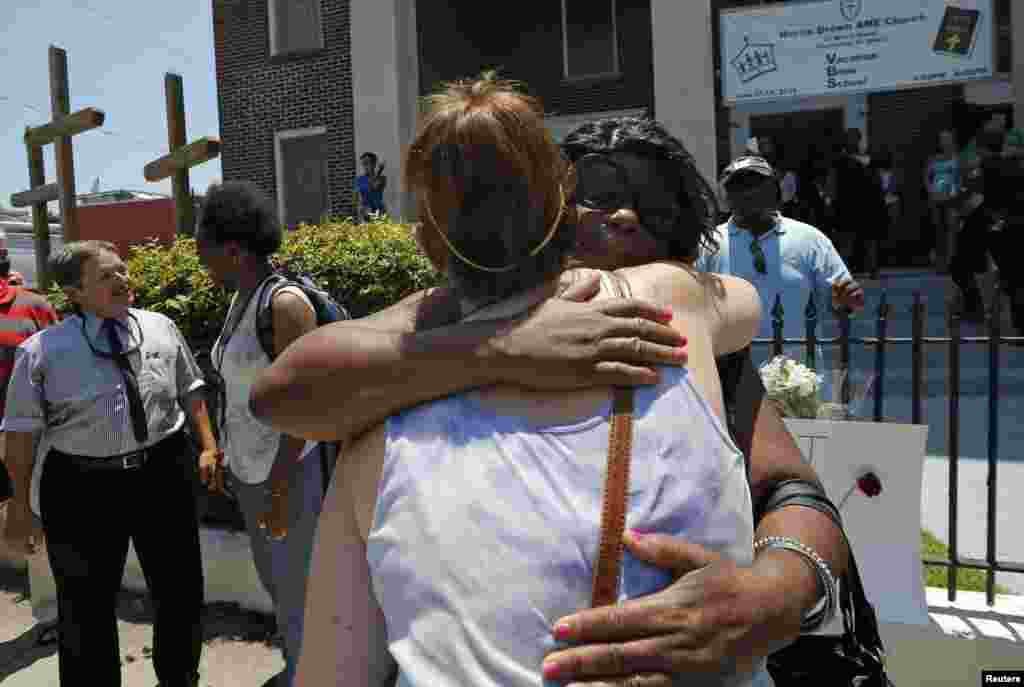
(815, 618)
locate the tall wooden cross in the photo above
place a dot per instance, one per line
(182, 157)
(59, 131)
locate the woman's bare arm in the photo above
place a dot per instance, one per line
(341, 379)
(345, 636)
(737, 313)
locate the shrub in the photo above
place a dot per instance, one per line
(366, 267)
(967, 579)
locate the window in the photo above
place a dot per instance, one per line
(1004, 37)
(301, 162)
(294, 26)
(590, 45)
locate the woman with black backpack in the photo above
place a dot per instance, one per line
(277, 479)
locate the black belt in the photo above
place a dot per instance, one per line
(124, 461)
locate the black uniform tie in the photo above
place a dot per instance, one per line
(131, 384)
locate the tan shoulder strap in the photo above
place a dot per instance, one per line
(607, 569)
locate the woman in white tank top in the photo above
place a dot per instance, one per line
(457, 532)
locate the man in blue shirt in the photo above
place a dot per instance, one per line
(780, 256)
(370, 187)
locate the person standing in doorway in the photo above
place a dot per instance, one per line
(370, 187)
(22, 314)
(997, 124)
(942, 179)
(993, 219)
(108, 392)
(859, 203)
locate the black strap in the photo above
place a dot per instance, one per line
(800, 492)
(859, 620)
(264, 335)
(140, 426)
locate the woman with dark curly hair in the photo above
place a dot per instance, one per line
(278, 483)
(676, 208)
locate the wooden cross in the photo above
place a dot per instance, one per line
(59, 131)
(181, 157)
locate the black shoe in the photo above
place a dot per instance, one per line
(974, 315)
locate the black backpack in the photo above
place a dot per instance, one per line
(327, 310)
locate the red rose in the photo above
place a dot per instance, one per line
(870, 484)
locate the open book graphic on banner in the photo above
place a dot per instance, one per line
(957, 32)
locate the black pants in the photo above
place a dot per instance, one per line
(971, 257)
(977, 241)
(89, 516)
(1005, 254)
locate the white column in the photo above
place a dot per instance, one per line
(684, 76)
(385, 88)
(1017, 17)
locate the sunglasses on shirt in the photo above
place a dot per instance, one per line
(604, 185)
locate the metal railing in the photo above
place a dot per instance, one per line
(954, 343)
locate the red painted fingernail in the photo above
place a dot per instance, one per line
(563, 631)
(551, 670)
(637, 534)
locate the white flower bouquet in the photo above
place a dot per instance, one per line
(793, 387)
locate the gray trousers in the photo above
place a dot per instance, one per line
(283, 566)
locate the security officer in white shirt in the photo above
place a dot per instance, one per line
(107, 390)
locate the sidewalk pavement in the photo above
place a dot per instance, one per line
(972, 507)
(239, 646)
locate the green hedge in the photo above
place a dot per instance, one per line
(366, 267)
(967, 579)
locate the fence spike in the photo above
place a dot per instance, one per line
(778, 313)
(811, 323)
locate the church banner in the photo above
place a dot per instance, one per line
(838, 47)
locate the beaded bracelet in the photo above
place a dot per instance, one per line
(815, 618)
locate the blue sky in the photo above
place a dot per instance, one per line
(118, 52)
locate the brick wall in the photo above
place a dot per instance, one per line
(461, 38)
(259, 95)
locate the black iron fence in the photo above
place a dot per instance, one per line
(954, 343)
